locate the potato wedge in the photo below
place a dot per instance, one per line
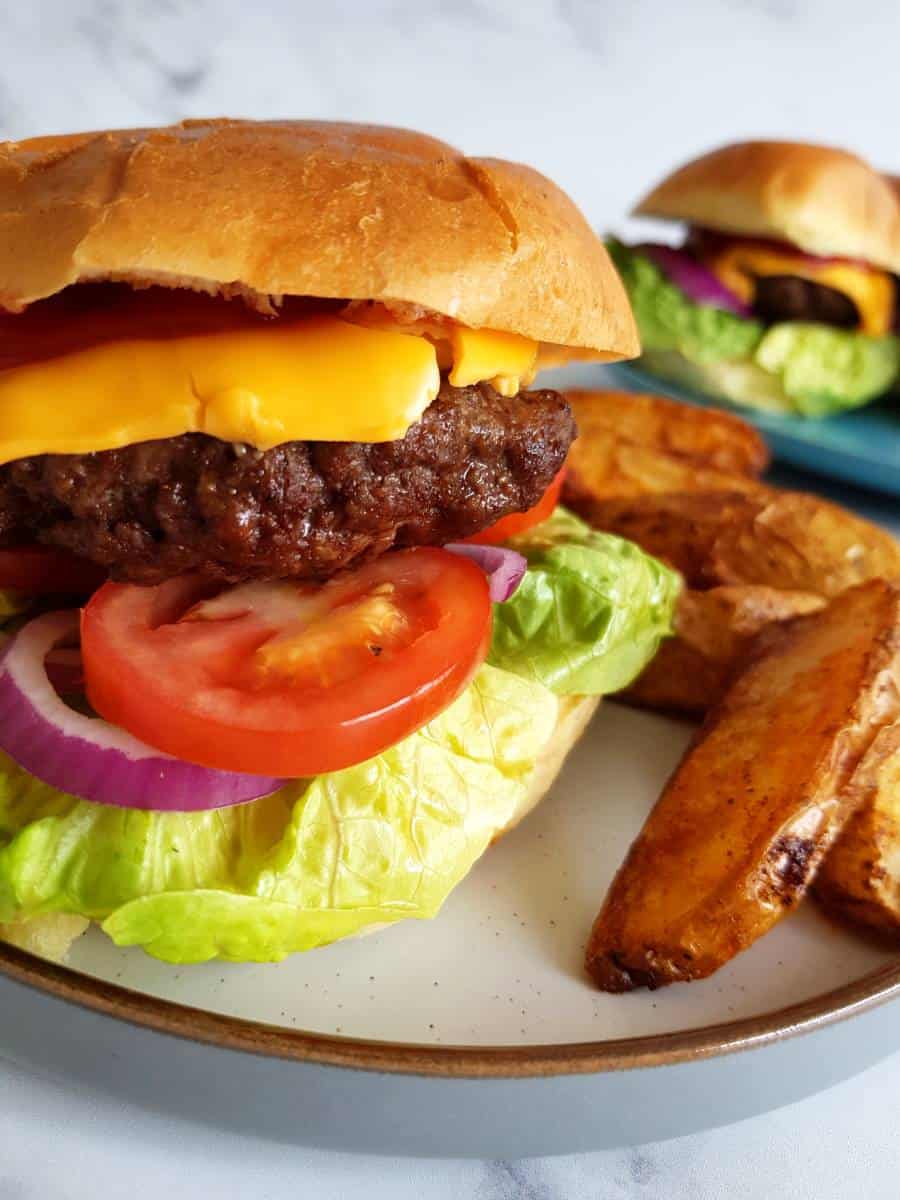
(860, 878)
(636, 445)
(719, 441)
(709, 438)
(713, 633)
(785, 540)
(758, 798)
(802, 542)
(620, 454)
(608, 467)
(680, 527)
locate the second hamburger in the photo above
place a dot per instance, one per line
(783, 295)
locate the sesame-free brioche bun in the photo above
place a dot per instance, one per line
(312, 208)
(825, 201)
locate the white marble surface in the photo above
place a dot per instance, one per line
(603, 97)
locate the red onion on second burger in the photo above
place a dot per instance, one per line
(696, 281)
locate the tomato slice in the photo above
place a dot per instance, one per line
(285, 678)
(43, 570)
(508, 527)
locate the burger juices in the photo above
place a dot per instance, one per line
(783, 295)
(296, 626)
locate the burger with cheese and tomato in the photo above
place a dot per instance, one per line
(295, 626)
(783, 295)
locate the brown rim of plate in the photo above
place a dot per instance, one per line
(510, 1062)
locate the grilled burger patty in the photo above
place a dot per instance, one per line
(789, 298)
(303, 509)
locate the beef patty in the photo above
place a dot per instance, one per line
(303, 509)
(789, 298)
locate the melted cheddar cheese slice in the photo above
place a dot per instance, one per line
(317, 379)
(872, 291)
(506, 359)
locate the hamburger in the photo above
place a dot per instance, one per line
(783, 292)
(295, 626)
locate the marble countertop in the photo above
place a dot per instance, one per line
(602, 97)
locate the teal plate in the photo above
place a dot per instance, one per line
(861, 447)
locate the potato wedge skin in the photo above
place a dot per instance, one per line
(637, 445)
(679, 527)
(801, 542)
(713, 634)
(758, 799)
(860, 879)
(618, 469)
(718, 440)
(790, 541)
(683, 483)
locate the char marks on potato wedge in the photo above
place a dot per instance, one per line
(758, 799)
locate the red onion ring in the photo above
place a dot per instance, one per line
(504, 568)
(65, 670)
(696, 281)
(88, 757)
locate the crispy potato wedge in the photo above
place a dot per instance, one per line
(680, 527)
(757, 800)
(802, 542)
(621, 458)
(608, 466)
(785, 540)
(860, 878)
(713, 633)
(717, 440)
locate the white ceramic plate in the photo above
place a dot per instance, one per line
(493, 987)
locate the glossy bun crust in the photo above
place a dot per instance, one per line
(825, 201)
(273, 208)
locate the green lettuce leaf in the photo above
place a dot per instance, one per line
(317, 861)
(743, 382)
(824, 370)
(589, 613)
(668, 320)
